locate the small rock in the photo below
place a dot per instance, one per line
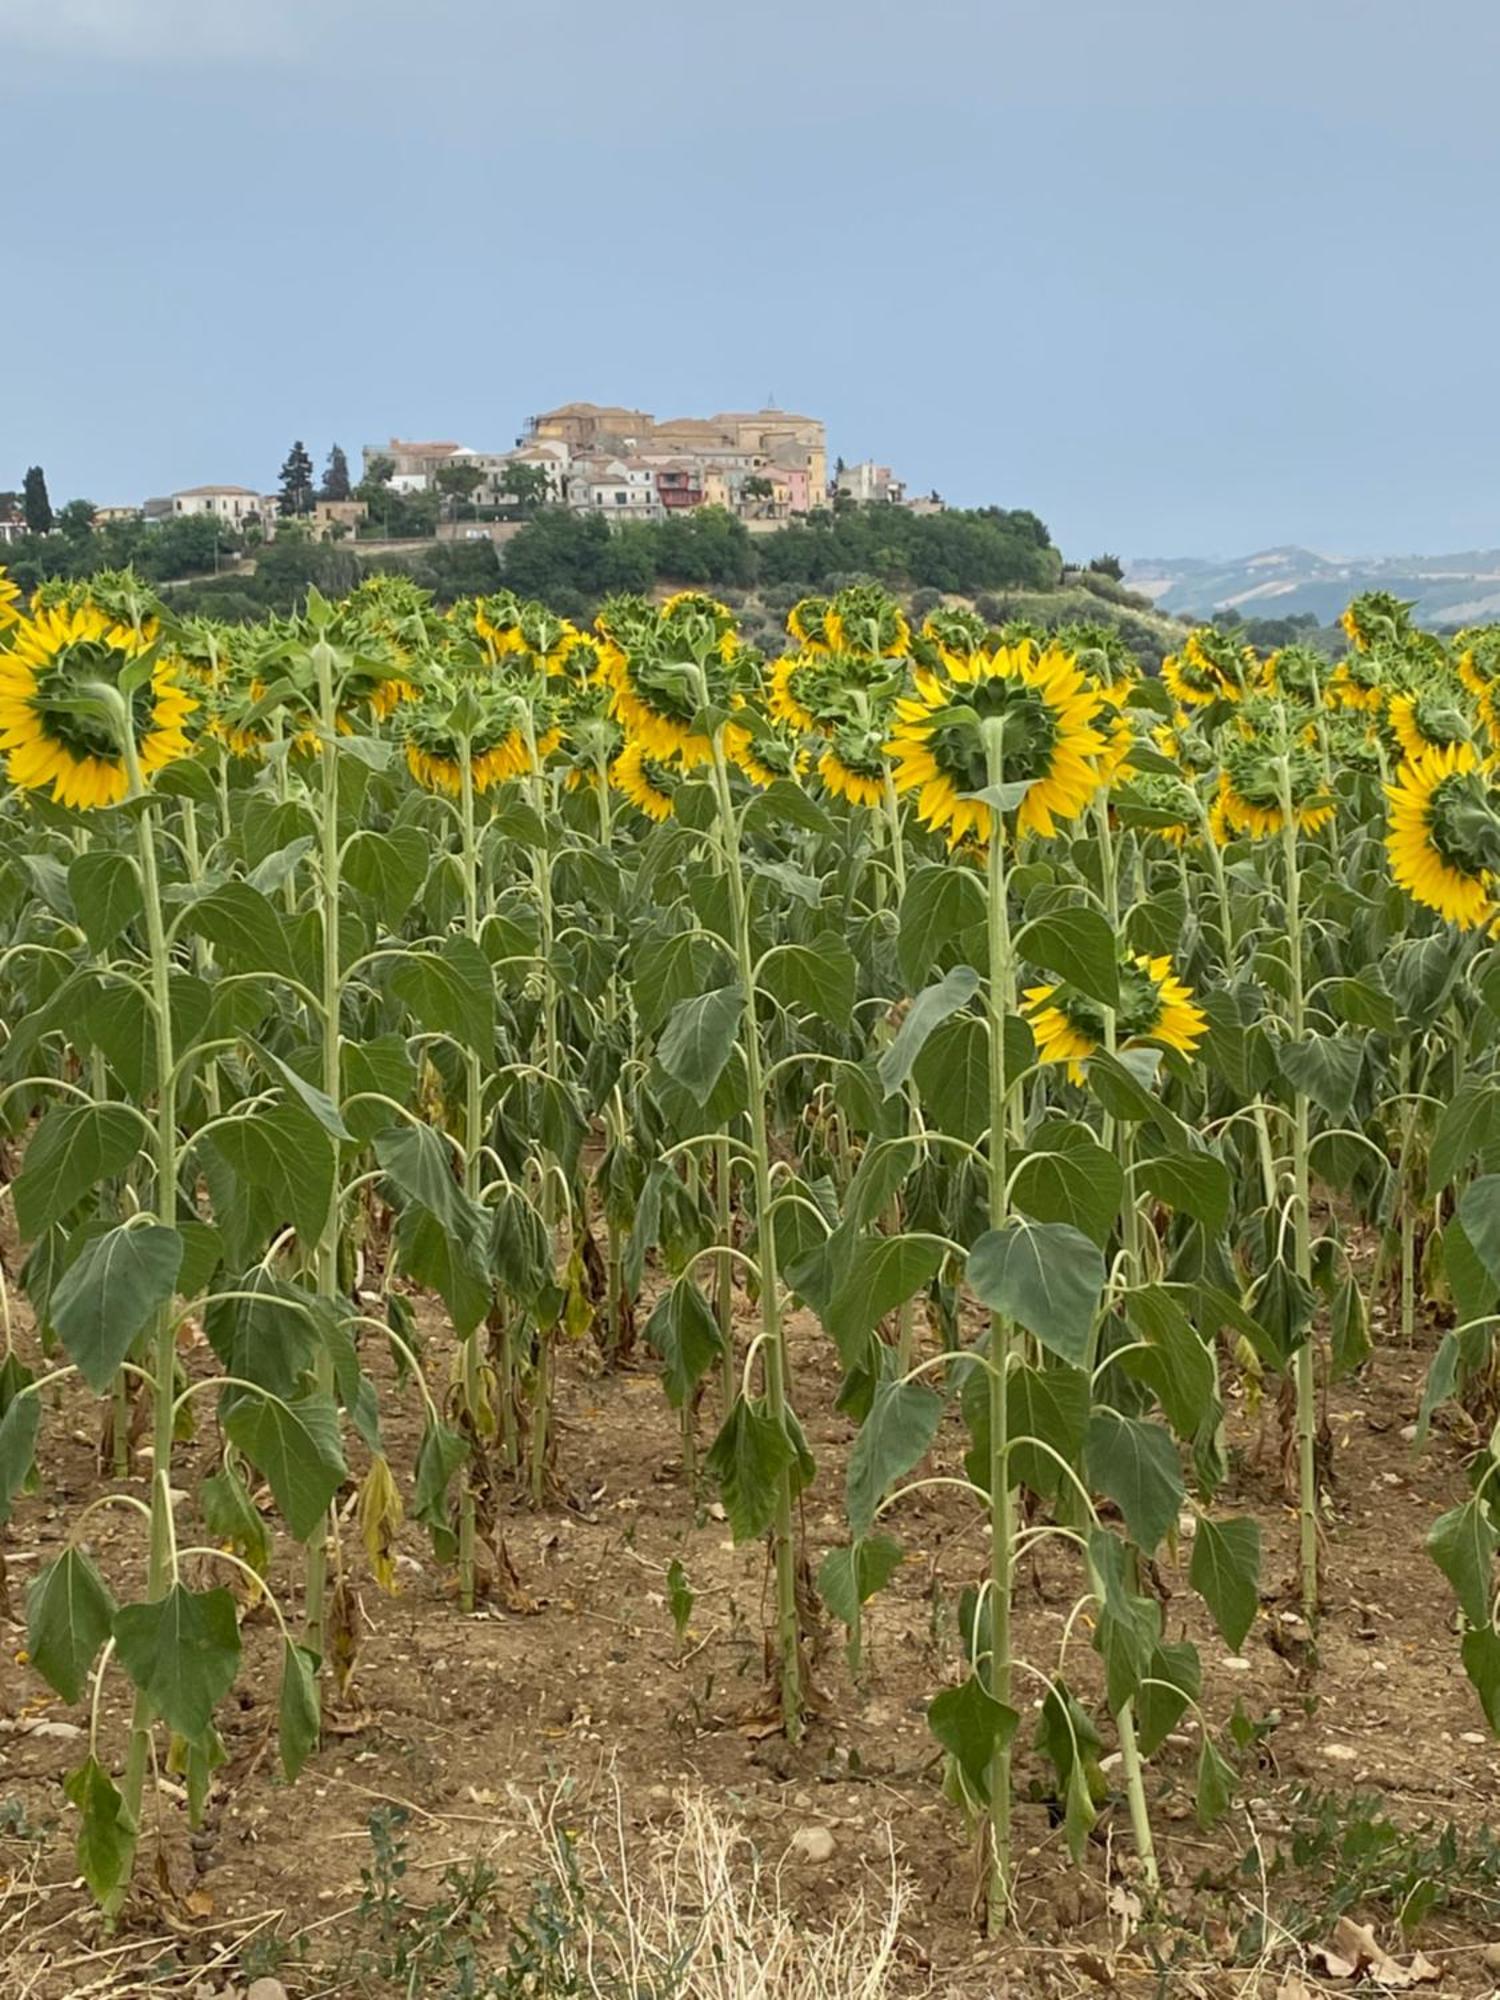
(1339, 1753)
(814, 1844)
(1408, 1433)
(266, 1989)
(1491, 1957)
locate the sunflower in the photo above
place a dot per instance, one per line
(647, 781)
(1444, 834)
(689, 611)
(1048, 711)
(59, 655)
(806, 623)
(661, 674)
(1118, 731)
(498, 748)
(497, 620)
(1154, 1006)
(853, 767)
(1358, 683)
(784, 699)
(10, 597)
(1209, 668)
(1250, 790)
(1293, 673)
(763, 756)
(1160, 806)
(1424, 721)
(951, 633)
(866, 620)
(1373, 616)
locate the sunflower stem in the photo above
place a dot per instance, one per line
(1306, 1374)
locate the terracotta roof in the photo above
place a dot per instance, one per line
(201, 492)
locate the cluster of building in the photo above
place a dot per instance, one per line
(764, 466)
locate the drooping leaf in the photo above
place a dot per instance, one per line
(698, 1039)
(748, 1460)
(1325, 1068)
(849, 1577)
(941, 920)
(932, 1006)
(74, 1149)
(298, 1711)
(296, 1446)
(1462, 1543)
(1066, 1176)
(113, 1290)
(106, 891)
(1136, 1464)
(106, 1836)
(1225, 1572)
(881, 1273)
(1078, 945)
(182, 1651)
(69, 1615)
(899, 1430)
(685, 1333)
(1194, 1184)
(816, 978)
(972, 1727)
(1046, 1276)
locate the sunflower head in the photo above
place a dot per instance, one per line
(1210, 667)
(1161, 806)
(1266, 761)
(1443, 837)
(866, 620)
(10, 597)
(807, 622)
(764, 753)
(1102, 652)
(854, 764)
(1033, 708)
(950, 631)
(1295, 674)
(478, 720)
(497, 621)
(72, 679)
(665, 675)
(648, 781)
(1155, 1007)
(1373, 616)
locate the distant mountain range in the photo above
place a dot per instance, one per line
(1460, 589)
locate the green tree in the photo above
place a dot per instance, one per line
(1108, 565)
(526, 485)
(297, 481)
(457, 483)
(76, 520)
(336, 476)
(35, 505)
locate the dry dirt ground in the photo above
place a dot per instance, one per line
(579, 1667)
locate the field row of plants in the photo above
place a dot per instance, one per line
(1054, 1034)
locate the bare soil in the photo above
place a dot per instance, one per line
(574, 1665)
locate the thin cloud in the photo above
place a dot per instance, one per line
(152, 32)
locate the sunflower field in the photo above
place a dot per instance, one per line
(1079, 1053)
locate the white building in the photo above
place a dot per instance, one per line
(235, 506)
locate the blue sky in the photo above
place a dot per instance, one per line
(1186, 276)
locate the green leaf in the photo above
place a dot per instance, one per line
(1194, 1184)
(819, 977)
(113, 1289)
(1067, 1737)
(1478, 1213)
(668, 970)
(182, 1651)
(441, 1453)
(1047, 1276)
(106, 892)
(784, 804)
(899, 1430)
(932, 1006)
(850, 1577)
(972, 1727)
(1349, 1343)
(1462, 1544)
(284, 1154)
(699, 1038)
(1462, 1129)
(1215, 1788)
(75, 1147)
(1174, 1678)
(749, 1458)
(1282, 1306)
(952, 1072)
(106, 1836)
(389, 868)
(1176, 1365)
(881, 1275)
(1136, 1464)
(268, 1337)
(244, 928)
(1067, 1176)
(685, 1333)
(1078, 946)
(308, 1095)
(1325, 1068)
(1128, 1624)
(299, 1712)
(18, 1430)
(942, 911)
(230, 1515)
(1225, 1572)
(451, 992)
(296, 1446)
(69, 1615)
